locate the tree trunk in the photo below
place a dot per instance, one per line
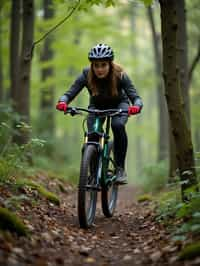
(46, 126)
(184, 83)
(196, 130)
(138, 159)
(23, 95)
(1, 69)
(172, 73)
(163, 141)
(173, 164)
(182, 56)
(197, 139)
(14, 49)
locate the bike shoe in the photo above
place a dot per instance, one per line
(121, 176)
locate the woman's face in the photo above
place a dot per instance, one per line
(101, 68)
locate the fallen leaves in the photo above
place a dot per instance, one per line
(131, 237)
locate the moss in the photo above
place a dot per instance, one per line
(48, 195)
(42, 190)
(10, 221)
(190, 251)
(144, 197)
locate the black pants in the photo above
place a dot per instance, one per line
(119, 133)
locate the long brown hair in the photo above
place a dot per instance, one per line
(114, 75)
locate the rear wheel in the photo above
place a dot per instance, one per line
(87, 195)
(109, 193)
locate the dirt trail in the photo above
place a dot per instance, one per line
(131, 237)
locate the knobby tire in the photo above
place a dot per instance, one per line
(88, 171)
(109, 193)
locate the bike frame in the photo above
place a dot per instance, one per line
(102, 145)
(102, 142)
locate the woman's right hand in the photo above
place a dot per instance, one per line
(61, 106)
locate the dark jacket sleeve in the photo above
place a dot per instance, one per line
(76, 87)
(130, 91)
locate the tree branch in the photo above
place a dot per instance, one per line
(55, 27)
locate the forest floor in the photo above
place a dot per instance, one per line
(131, 237)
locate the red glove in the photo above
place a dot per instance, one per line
(61, 106)
(133, 110)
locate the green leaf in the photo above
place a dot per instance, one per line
(147, 2)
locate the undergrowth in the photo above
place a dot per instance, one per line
(181, 218)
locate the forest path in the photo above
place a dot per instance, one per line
(130, 237)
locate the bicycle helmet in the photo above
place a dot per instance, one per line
(101, 51)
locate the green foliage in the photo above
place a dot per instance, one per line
(190, 251)
(14, 158)
(185, 215)
(168, 202)
(154, 177)
(10, 221)
(147, 2)
(85, 4)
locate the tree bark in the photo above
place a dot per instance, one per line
(172, 73)
(182, 55)
(197, 139)
(14, 50)
(23, 95)
(47, 94)
(1, 69)
(194, 63)
(183, 61)
(163, 139)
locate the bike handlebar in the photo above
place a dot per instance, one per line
(108, 112)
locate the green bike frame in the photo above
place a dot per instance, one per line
(103, 142)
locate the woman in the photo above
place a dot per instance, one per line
(109, 87)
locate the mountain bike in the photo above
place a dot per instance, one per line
(97, 169)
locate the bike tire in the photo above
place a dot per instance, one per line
(109, 193)
(88, 171)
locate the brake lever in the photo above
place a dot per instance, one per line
(72, 111)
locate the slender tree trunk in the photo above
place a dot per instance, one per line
(172, 72)
(23, 95)
(1, 69)
(14, 49)
(47, 94)
(182, 56)
(196, 131)
(184, 83)
(138, 159)
(197, 139)
(163, 141)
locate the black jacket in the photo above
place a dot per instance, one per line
(126, 92)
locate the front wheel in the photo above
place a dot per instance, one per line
(87, 194)
(109, 192)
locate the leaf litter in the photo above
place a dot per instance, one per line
(131, 237)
